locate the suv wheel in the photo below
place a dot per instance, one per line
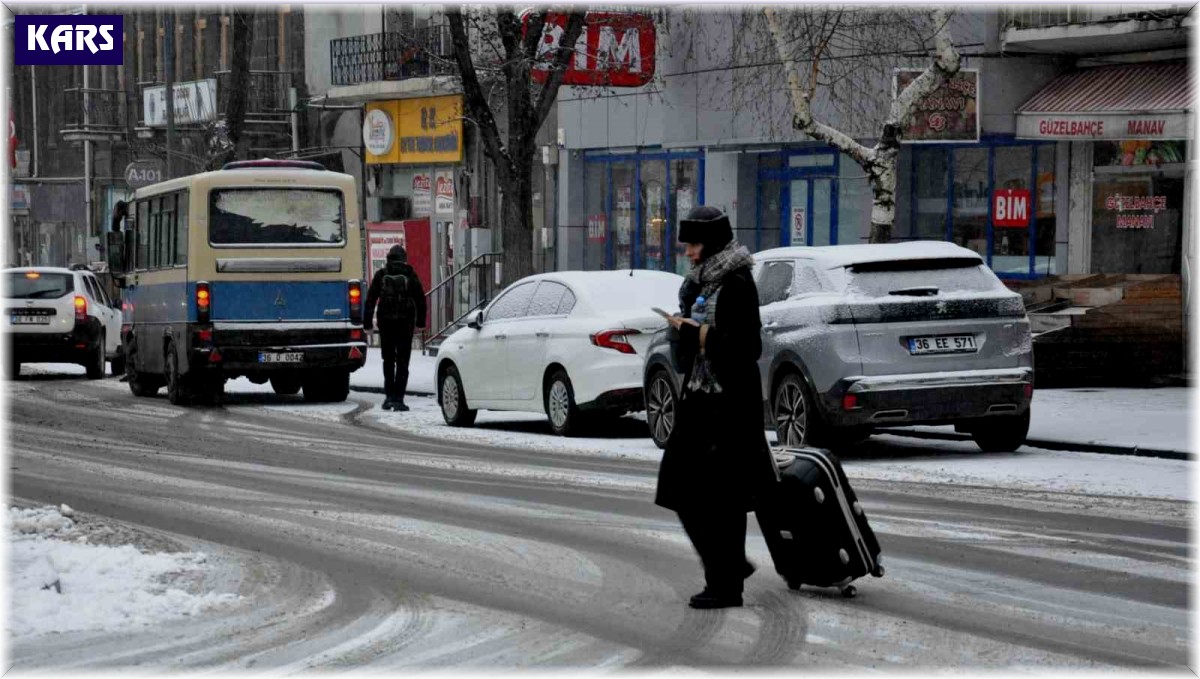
(454, 400)
(96, 362)
(797, 422)
(1001, 434)
(660, 407)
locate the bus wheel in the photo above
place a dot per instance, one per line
(139, 384)
(178, 390)
(327, 387)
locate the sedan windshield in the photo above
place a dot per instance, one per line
(34, 285)
(276, 217)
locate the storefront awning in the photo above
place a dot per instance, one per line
(1132, 101)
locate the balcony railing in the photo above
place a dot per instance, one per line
(423, 52)
(268, 96)
(94, 111)
(1063, 15)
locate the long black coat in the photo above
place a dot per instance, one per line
(717, 456)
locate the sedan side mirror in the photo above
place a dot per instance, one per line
(477, 322)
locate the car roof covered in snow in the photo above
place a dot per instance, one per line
(837, 256)
(619, 288)
(590, 278)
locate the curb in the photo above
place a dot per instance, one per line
(1134, 451)
(1056, 445)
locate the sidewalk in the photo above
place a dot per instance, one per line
(1147, 422)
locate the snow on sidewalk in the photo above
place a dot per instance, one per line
(63, 579)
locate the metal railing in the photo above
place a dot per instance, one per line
(423, 52)
(94, 110)
(268, 93)
(1063, 15)
(463, 292)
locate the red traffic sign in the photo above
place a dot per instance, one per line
(613, 50)
(1010, 207)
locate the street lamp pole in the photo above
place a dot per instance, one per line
(169, 68)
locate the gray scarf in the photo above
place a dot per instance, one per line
(709, 276)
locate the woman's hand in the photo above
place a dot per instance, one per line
(678, 321)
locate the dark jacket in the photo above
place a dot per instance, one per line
(717, 456)
(416, 294)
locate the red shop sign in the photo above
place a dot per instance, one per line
(613, 50)
(1010, 207)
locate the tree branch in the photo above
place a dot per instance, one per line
(946, 64)
(558, 70)
(476, 102)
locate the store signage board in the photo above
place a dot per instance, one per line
(613, 50)
(1104, 126)
(949, 114)
(1010, 208)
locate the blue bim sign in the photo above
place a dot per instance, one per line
(68, 40)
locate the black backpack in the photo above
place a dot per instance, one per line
(395, 298)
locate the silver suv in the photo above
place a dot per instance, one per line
(861, 337)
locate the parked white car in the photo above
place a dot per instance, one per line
(569, 344)
(56, 315)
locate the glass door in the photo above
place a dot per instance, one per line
(808, 211)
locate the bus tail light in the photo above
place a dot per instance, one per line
(203, 302)
(80, 309)
(356, 309)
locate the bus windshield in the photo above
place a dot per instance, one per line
(276, 217)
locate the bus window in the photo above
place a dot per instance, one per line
(142, 228)
(181, 229)
(276, 217)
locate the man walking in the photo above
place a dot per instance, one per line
(401, 299)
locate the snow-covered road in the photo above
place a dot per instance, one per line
(334, 538)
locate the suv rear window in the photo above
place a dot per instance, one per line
(948, 275)
(34, 285)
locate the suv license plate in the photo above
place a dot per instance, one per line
(281, 357)
(31, 320)
(944, 344)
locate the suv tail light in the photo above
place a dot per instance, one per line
(203, 302)
(80, 309)
(615, 339)
(355, 295)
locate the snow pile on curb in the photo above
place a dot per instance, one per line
(60, 582)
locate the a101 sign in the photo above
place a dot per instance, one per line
(613, 49)
(1010, 207)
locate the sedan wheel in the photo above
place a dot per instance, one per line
(660, 408)
(454, 402)
(560, 405)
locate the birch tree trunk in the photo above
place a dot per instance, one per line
(879, 161)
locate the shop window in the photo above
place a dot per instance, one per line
(685, 182)
(596, 208)
(1134, 153)
(1046, 212)
(854, 203)
(1137, 207)
(1012, 167)
(970, 214)
(623, 214)
(811, 160)
(929, 179)
(653, 196)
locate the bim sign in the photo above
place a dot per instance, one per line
(70, 40)
(613, 50)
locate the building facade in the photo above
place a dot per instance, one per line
(79, 128)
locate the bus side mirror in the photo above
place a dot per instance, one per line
(116, 251)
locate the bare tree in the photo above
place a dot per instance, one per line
(495, 64)
(815, 37)
(237, 146)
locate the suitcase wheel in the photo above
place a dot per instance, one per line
(849, 591)
(878, 572)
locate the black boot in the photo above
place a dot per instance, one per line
(712, 599)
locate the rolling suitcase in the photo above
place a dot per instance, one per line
(814, 526)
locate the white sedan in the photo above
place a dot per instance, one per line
(570, 344)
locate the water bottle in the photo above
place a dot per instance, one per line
(700, 310)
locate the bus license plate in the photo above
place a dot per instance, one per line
(945, 344)
(281, 357)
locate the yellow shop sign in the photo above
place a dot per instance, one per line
(414, 131)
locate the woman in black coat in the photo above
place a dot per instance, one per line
(717, 458)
